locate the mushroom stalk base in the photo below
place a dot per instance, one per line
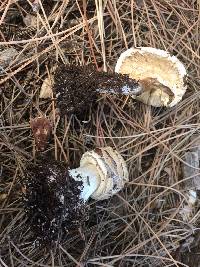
(89, 176)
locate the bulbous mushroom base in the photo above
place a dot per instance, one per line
(52, 201)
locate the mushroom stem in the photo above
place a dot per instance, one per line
(90, 178)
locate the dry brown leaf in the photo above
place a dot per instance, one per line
(46, 89)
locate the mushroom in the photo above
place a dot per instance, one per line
(103, 173)
(41, 128)
(55, 197)
(161, 76)
(77, 86)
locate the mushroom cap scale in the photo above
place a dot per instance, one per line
(158, 72)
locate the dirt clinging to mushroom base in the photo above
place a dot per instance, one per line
(78, 86)
(52, 202)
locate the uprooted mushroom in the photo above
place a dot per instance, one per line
(161, 75)
(147, 74)
(76, 86)
(55, 196)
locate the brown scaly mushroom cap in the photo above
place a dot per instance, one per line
(161, 76)
(41, 128)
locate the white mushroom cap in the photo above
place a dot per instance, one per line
(111, 169)
(161, 75)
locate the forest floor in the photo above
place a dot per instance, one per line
(142, 225)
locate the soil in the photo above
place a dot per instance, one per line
(51, 201)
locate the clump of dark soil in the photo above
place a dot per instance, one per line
(52, 203)
(78, 86)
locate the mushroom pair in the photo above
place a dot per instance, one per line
(55, 196)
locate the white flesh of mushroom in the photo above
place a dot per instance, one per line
(103, 173)
(162, 71)
(89, 177)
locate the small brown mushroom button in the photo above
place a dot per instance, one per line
(41, 128)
